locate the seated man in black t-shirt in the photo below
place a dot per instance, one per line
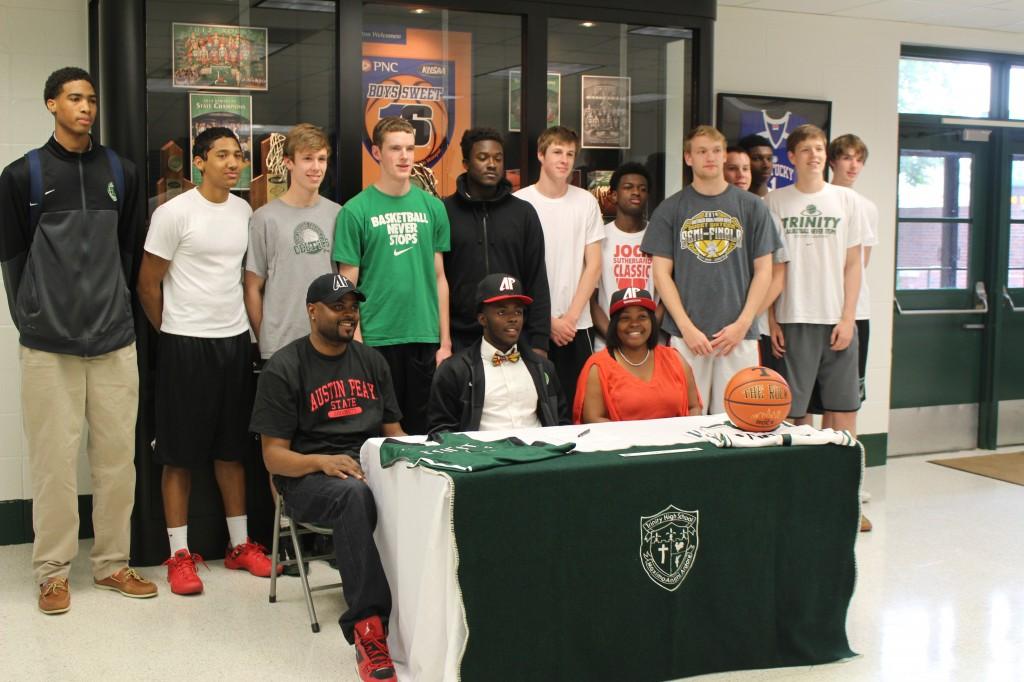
(318, 399)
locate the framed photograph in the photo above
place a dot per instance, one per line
(233, 112)
(214, 57)
(515, 81)
(605, 112)
(772, 118)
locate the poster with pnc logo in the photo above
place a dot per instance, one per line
(425, 77)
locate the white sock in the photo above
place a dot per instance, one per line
(238, 529)
(178, 538)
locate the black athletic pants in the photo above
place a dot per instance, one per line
(412, 370)
(345, 506)
(569, 360)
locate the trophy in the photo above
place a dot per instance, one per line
(172, 180)
(273, 182)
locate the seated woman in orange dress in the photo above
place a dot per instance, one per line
(634, 377)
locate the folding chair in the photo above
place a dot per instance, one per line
(280, 516)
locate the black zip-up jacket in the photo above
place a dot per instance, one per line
(457, 392)
(502, 234)
(67, 276)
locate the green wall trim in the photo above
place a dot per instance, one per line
(16, 520)
(875, 448)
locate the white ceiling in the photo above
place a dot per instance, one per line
(995, 15)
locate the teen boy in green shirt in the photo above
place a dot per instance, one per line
(389, 239)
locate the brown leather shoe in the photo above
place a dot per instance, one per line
(129, 583)
(865, 525)
(54, 596)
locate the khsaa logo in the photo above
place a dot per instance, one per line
(668, 545)
(433, 70)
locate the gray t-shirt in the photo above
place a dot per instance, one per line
(712, 241)
(289, 247)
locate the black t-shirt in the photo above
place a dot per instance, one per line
(323, 404)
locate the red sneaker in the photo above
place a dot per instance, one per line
(181, 572)
(252, 557)
(373, 660)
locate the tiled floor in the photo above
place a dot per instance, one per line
(940, 597)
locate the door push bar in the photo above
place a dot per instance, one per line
(1009, 301)
(979, 292)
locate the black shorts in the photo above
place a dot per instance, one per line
(204, 393)
(863, 331)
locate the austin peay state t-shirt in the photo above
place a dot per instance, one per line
(325, 405)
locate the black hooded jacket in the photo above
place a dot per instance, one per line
(67, 277)
(502, 234)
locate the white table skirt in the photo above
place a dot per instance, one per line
(416, 540)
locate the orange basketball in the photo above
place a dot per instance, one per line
(757, 399)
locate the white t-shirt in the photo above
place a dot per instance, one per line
(870, 238)
(205, 243)
(570, 223)
(817, 229)
(623, 265)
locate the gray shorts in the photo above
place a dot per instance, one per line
(810, 362)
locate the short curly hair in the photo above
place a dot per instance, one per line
(55, 83)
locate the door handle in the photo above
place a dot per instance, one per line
(979, 293)
(1009, 301)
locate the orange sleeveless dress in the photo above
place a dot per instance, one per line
(627, 397)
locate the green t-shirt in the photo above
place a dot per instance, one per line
(459, 452)
(393, 241)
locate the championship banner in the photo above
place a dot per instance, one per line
(233, 112)
(425, 77)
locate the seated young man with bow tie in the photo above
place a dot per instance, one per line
(498, 382)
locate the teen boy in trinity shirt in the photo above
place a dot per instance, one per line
(318, 399)
(389, 238)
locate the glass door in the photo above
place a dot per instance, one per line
(942, 304)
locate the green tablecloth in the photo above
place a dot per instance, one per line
(554, 581)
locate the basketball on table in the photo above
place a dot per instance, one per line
(757, 399)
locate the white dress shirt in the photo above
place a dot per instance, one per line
(510, 398)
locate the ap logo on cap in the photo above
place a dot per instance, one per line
(507, 284)
(340, 282)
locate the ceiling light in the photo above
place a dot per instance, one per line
(588, 24)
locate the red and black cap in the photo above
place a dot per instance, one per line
(500, 287)
(631, 296)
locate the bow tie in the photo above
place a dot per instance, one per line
(513, 356)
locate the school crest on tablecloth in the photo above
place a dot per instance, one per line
(668, 545)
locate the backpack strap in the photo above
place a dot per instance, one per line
(118, 171)
(35, 186)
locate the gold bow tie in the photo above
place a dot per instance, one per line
(499, 358)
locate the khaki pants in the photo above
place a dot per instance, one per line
(58, 394)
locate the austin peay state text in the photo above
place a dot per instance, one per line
(341, 390)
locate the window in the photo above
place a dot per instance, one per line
(446, 72)
(298, 84)
(625, 89)
(927, 85)
(934, 230)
